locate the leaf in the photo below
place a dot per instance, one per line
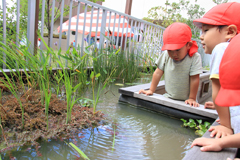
(199, 121)
(183, 120)
(79, 151)
(199, 132)
(104, 70)
(92, 75)
(119, 84)
(206, 124)
(98, 75)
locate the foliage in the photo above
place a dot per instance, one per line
(200, 128)
(220, 1)
(172, 12)
(24, 114)
(55, 35)
(12, 11)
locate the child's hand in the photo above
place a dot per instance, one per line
(192, 102)
(209, 105)
(208, 144)
(220, 131)
(147, 92)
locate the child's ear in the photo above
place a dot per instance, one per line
(189, 45)
(232, 31)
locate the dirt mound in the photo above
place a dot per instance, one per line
(35, 120)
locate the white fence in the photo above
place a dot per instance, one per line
(95, 23)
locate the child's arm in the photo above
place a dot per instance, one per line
(209, 105)
(209, 144)
(223, 112)
(155, 80)
(194, 83)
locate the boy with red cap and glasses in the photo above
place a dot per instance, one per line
(181, 65)
(219, 25)
(228, 95)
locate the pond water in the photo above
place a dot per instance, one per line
(139, 134)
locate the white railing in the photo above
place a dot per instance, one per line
(128, 33)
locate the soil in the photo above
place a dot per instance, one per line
(15, 134)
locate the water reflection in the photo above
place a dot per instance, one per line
(140, 134)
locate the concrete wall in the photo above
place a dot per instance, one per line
(64, 41)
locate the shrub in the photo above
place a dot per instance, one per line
(55, 36)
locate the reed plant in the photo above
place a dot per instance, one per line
(9, 82)
(80, 152)
(70, 90)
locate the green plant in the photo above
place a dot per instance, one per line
(200, 128)
(114, 135)
(83, 155)
(68, 83)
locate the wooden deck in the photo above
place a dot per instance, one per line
(128, 93)
(158, 102)
(195, 153)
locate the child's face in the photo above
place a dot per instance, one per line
(179, 54)
(211, 36)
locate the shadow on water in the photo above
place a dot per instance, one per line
(139, 134)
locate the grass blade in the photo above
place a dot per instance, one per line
(79, 151)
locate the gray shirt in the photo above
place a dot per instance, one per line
(177, 74)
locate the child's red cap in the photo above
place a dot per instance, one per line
(229, 74)
(176, 36)
(222, 14)
(39, 39)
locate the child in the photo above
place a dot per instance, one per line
(228, 95)
(219, 25)
(39, 42)
(181, 65)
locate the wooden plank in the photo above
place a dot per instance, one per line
(172, 112)
(130, 90)
(180, 105)
(196, 154)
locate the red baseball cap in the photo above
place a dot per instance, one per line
(176, 36)
(222, 14)
(229, 74)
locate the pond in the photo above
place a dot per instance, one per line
(139, 134)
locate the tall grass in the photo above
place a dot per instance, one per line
(38, 72)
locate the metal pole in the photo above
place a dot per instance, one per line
(36, 27)
(60, 33)
(4, 30)
(31, 25)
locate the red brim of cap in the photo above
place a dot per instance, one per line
(227, 97)
(199, 22)
(172, 46)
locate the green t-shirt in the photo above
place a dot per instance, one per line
(177, 74)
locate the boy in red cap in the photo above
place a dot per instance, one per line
(181, 65)
(219, 25)
(228, 95)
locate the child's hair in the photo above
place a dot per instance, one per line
(221, 27)
(224, 14)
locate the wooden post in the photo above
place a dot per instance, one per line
(128, 9)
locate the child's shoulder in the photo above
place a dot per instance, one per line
(220, 47)
(196, 56)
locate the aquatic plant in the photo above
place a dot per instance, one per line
(69, 89)
(9, 82)
(83, 155)
(114, 128)
(200, 128)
